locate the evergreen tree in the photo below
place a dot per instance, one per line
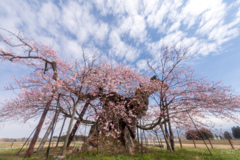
(236, 132)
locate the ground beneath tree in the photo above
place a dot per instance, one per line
(109, 145)
(189, 153)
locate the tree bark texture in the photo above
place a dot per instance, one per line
(69, 129)
(47, 134)
(137, 135)
(210, 143)
(12, 143)
(171, 136)
(73, 132)
(166, 139)
(170, 130)
(61, 131)
(180, 142)
(230, 142)
(125, 126)
(194, 143)
(117, 122)
(39, 127)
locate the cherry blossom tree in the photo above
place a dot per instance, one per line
(47, 65)
(180, 91)
(115, 95)
(112, 86)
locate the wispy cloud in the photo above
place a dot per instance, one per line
(125, 29)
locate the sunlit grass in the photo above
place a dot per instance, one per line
(158, 154)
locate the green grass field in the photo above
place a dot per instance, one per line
(157, 154)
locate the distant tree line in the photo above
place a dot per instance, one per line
(203, 133)
(77, 137)
(16, 139)
(236, 132)
(194, 134)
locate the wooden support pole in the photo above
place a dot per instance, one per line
(85, 133)
(97, 136)
(61, 131)
(158, 140)
(137, 136)
(198, 132)
(141, 137)
(13, 142)
(26, 141)
(74, 130)
(194, 143)
(210, 143)
(180, 142)
(39, 127)
(146, 141)
(64, 149)
(230, 143)
(54, 123)
(44, 140)
(166, 139)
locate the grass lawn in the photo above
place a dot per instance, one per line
(19, 144)
(158, 154)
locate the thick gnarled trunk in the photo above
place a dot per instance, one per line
(115, 143)
(117, 123)
(116, 132)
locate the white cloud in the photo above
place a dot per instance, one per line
(134, 26)
(155, 19)
(125, 25)
(142, 64)
(121, 49)
(213, 17)
(101, 33)
(70, 15)
(48, 22)
(110, 7)
(73, 49)
(150, 6)
(173, 19)
(9, 16)
(172, 39)
(194, 8)
(175, 26)
(138, 28)
(124, 29)
(223, 34)
(18, 15)
(48, 17)
(132, 7)
(79, 20)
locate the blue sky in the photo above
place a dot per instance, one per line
(128, 31)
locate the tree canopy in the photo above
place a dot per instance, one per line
(114, 96)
